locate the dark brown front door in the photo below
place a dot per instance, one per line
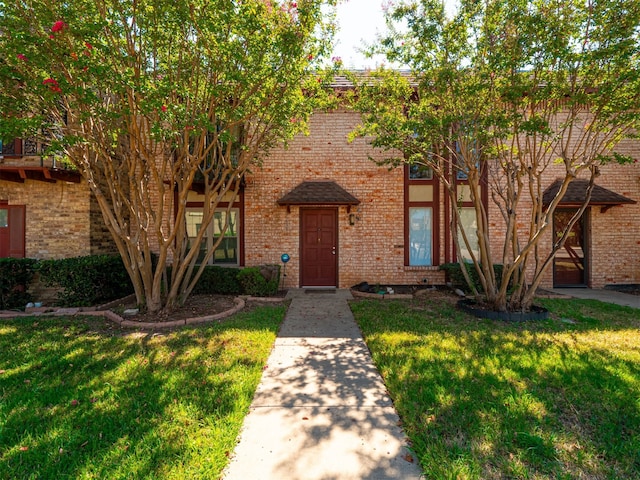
(12, 231)
(318, 247)
(569, 264)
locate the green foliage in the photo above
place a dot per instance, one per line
(86, 281)
(15, 276)
(76, 396)
(253, 281)
(509, 93)
(483, 399)
(163, 92)
(218, 280)
(455, 276)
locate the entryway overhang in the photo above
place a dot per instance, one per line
(318, 192)
(577, 192)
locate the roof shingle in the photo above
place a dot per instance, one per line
(319, 192)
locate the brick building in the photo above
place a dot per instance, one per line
(46, 210)
(341, 218)
(392, 226)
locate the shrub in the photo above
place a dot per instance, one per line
(85, 281)
(15, 276)
(218, 280)
(260, 281)
(455, 276)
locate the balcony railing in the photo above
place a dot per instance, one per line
(23, 159)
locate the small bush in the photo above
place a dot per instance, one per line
(260, 281)
(86, 281)
(218, 280)
(455, 276)
(15, 276)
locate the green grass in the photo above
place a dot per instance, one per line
(80, 401)
(480, 399)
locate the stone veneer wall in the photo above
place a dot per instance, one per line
(372, 250)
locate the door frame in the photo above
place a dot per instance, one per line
(586, 247)
(335, 213)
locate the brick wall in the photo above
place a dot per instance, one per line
(60, 222)
(613, 249)
(372, 250)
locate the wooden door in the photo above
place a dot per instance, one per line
(12, 231)
(318, 247)
(569, 264)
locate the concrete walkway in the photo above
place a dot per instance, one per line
(604, 295)
(321, 410)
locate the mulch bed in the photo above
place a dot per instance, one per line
(195, 306)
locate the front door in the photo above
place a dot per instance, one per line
(318, 247)
(569, 264)
(12, 231)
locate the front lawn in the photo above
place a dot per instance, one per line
(482, 399)
(79, 400)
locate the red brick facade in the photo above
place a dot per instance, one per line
(62, 219)
(372, 249)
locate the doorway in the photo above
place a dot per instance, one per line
(570, 263)
(318, 247)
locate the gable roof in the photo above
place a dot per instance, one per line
(318, 192)
(577, 192)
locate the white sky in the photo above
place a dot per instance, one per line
(360, 21)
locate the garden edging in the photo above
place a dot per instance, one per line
(114, 317)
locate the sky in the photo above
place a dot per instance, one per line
(360, 21)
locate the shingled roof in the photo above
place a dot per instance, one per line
(318, 192)
(577, 192)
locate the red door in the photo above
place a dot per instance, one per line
(12, 231)
(569, 264)
(318, 247)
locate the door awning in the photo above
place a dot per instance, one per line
(318, 192)
(577, 192)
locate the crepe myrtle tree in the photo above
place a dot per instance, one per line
(498, 94)
(147, 98)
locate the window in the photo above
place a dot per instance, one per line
(420, 172)
(420, 234)
(227, 252)
(421, 201)
(4, 217)
(470, 227)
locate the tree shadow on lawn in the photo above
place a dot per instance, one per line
(77, 401)
(485, 399)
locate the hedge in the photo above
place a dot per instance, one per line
(15, 276)
(260, 281)
(86, 281)
(218, 280)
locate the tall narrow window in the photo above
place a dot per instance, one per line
(421, 221)
(420, 234)
(470, 226)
